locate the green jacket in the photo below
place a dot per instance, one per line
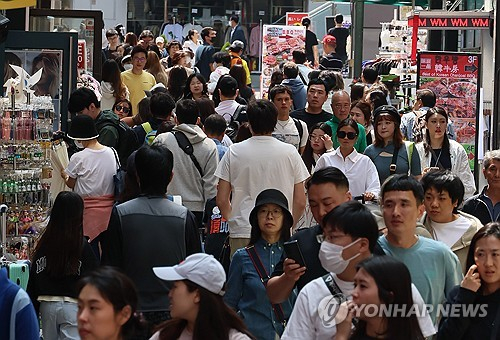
(106, 124)
(360, 145)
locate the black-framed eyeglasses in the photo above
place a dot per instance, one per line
(122, 108)
(350, 135)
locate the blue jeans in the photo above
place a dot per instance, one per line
(59, 320)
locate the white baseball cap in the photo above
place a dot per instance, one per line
(202, 269)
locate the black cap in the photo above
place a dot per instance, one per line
(228, 84)
(82, 128)
(387, 110)
(273, 196)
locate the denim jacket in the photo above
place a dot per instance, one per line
(247, 295)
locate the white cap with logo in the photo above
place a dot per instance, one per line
(202, 269)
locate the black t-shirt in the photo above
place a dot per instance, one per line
(311, 40)
(341, 34)
(331, 61)
(309, 246)
(443, 157)
(217, 232)
(311, 118)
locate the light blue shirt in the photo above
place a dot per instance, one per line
(247, 295)
(433, 267)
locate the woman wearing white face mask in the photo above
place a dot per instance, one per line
(350, 235)
(90, 174)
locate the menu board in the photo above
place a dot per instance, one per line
(278, 43)
(454, 78)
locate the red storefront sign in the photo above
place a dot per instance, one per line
(293, 18)
(450, 20)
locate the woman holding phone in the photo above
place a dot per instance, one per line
(479, 291)
(251, 266)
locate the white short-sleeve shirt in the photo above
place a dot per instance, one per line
(286, 131)
(93, 171)
(256, 164)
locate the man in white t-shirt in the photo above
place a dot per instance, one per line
(228, 90)
(443, 194)
(289, 130)
(350, 236)
(258, 163)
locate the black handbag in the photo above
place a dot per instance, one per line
(119, 177)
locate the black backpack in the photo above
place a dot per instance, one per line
(127, 141)
(239, 116)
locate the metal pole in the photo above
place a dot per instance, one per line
(496, 85)
(359, 13)
(165, 12)
(3, 225)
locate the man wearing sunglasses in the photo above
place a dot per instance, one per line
(136, 79)
(341, 106)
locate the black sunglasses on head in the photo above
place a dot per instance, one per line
(343, 134)
(122, 108)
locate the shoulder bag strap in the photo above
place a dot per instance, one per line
(261, 271)
(302, 78)
(331, 284)
(300, 129)
(393, 166)
(185, 145)
(118, 165)
(237, 113)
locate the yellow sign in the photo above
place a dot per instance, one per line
(11, 4)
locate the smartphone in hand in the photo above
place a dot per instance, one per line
(293, 252)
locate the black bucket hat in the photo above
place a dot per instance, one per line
(388, 110)
(271, 196)
(83, 128)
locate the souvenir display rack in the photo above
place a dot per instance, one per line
(25, 170)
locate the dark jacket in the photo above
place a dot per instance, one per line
(40, 283)
(204, 57)
(331, 61)
(476, 206)
(106, 124)
(147, 232)
(459, 326)
(238, 34)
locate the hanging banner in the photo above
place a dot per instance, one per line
(12, 4)
(82, 54)
(294, 18)
(278, 43)
(454, 78)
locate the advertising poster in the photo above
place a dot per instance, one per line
(454, 78)
(278, 43)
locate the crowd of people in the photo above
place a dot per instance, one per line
(381, 208)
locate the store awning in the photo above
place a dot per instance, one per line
(12, 4)
(422, 3)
